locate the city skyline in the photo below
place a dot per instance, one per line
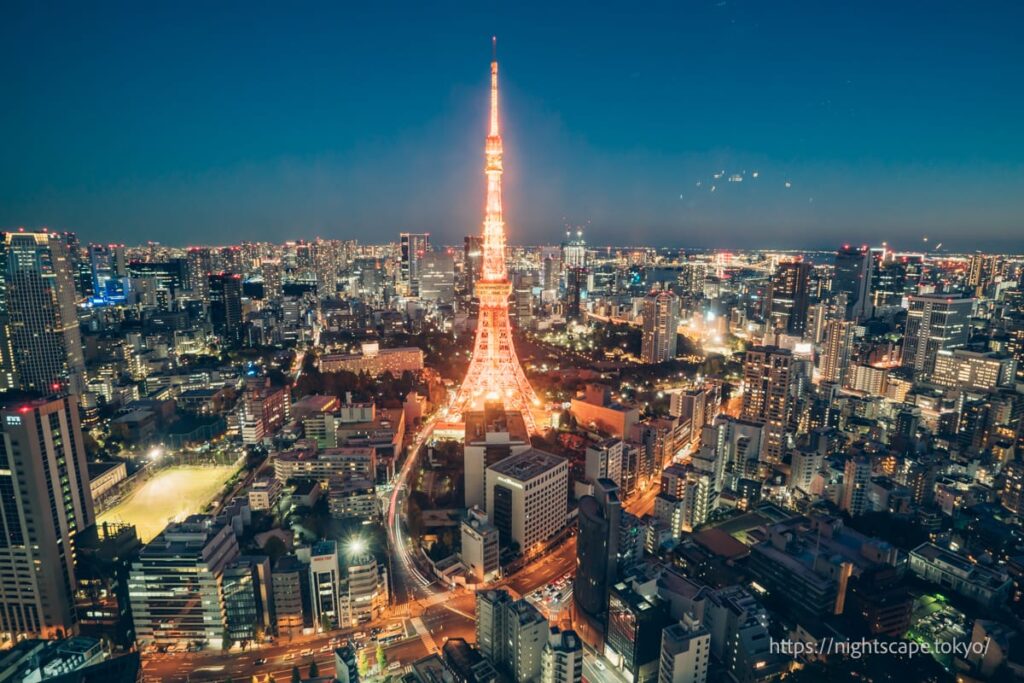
(424, 435)
(884, 123)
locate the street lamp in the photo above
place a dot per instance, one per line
(355, 546)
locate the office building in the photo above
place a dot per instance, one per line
(973, 370)
(175, 584)
(291, 597)
(852, 277)
(364, 589)
(597, 548)
(40, 341)
(325, 465)
(511, 634)
(325, 585)
(562, 657)
(986, 586)
(414, 247)
(635, 624)
(788, 298)
(934, 323)
(248, 593)
(108, 268)
(224, 292)
(45, 503)
(437, 277)
(661, 322)
(480, 548)
(492, 434)
(767, 396)
(527, 498)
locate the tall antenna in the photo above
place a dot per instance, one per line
(494, 48)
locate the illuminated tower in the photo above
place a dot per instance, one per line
(494, 372)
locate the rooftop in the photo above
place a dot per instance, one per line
(528, 465)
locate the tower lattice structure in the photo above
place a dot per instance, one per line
(494, 371)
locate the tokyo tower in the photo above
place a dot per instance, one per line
(494, 372)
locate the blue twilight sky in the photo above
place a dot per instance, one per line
(214, 122)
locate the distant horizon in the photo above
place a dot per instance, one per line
(592, 246)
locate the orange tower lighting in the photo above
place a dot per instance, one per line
(494, 371)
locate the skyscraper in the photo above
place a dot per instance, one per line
(767, 374)
(272, 280)
(108, 268)
(788, 298)
(414, 246)
(42, 344)
(853, 277)
(225, 296)
(494, 372)
(597, 547)
(200, 265)
(934, 323)
(838, 346)
(510, 633)
(45, 501)
(661, 322)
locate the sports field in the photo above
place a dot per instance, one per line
(172, 494)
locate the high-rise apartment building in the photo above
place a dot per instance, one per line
(661, 322)
(856, 477)
(934, 323)
(200, 267)
(767, 376)
(685, 652)
(45, 502)
(511, 634)
(835, 361)
(40, 341)
(273, 280)
(604, 461)
(561, 660)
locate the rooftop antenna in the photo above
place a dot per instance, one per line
(494, 48)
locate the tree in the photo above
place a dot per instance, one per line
(296, 676)
(314, 670)
(382, 658)
(361, 664)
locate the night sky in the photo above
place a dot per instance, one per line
(216, 122)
